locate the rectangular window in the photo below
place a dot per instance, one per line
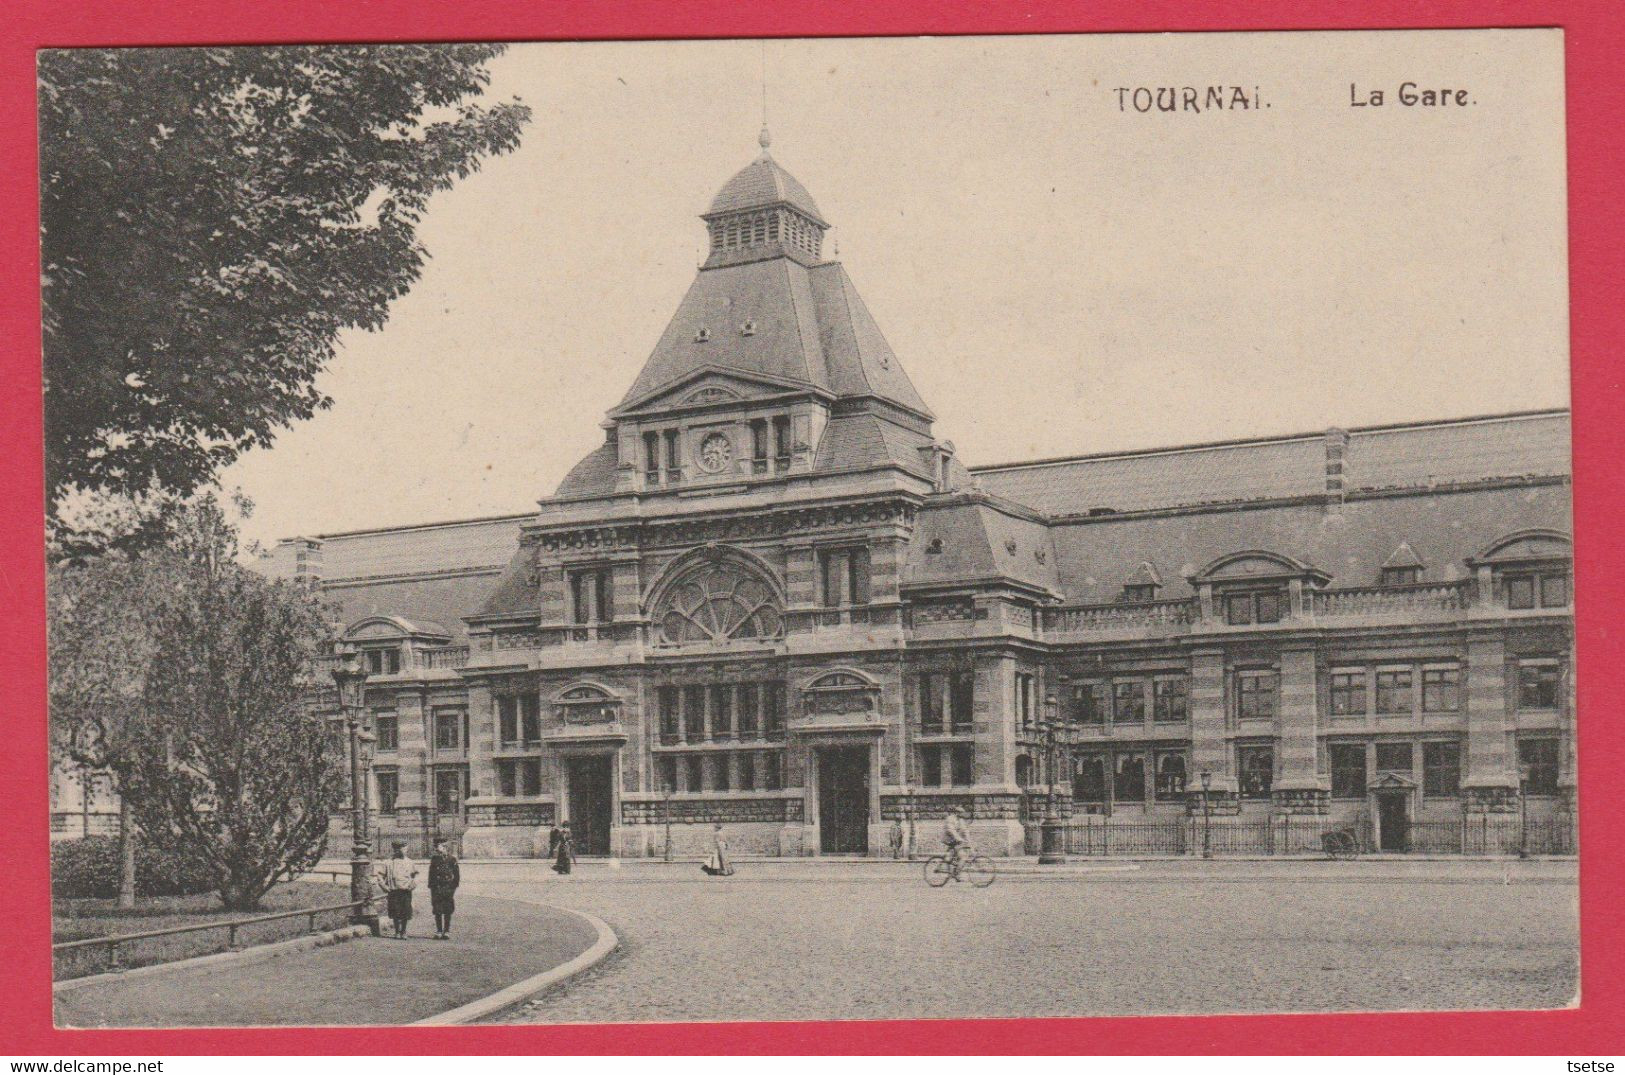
(530, 718)
(931, 766)
(388, 783)
(722, 711)
(1394, 758)
(1093, 703)
(694, 713)
(696, 772)
(651, 458)
(962, 702)
(666, 768)
(590, 596)
(1394, 691)
(508, 719)
(1441, 768)
(1255, 606)
(1538, 684)
(1554, 591)
(962, 764)
(747, 771)
(383, 662)
(1128, 702)
(1441, 690)
(749, 707)
(508, 777)
(1024, 700)
(773, 709)
(1348, 770)
(1348, 693)
(758, 446)
(781, 441)
(1138, 593)
(772, 770)
(448, 729)
(1520, 591)
(721, 779)
(1401, 576)
(387, 728)
(1128, 784)
(667, 700)
(674, 467)
(1256, 695)
(843, 577)
(1089, 779)
(1537, 766)
(931, 714)
(449, 786)
(1172, 699)
(1256, 767)
(1170, 775)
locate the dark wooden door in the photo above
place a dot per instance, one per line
(843, 800)
(1394, 821)
(590, 803)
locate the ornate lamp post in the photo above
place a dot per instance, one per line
(1523, 811)
(367, 739)
(1207, 816)
(349, 676)
(1051, 834)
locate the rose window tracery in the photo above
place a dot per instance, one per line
(719, 601)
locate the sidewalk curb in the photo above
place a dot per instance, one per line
(522, 991)
(258, 953)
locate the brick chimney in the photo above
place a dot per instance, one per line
(1337, 444)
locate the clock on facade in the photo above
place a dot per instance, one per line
(715, 452)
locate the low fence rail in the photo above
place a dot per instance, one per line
(113, 945)
(1093, 836)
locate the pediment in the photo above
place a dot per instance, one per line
(1257, 564)
(1527, 545)
(709, 387)
(1388, 781)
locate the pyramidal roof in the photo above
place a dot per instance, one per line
(772, 312)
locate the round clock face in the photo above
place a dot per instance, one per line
(715, 452)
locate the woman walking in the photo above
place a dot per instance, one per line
(444, 877)
(719, 864)
(564, 850)
(398, 877)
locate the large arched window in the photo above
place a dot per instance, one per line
(719, 600)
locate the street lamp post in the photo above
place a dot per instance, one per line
(366, 739)
(1051, 834)
(1207, 816)
(349, 676)
(665, 796)
(1523, 811)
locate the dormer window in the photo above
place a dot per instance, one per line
(934, 547)
(1255, 606)
(702, 335)
(383, 662)
(748, 328)
(1401, 576)
(1139, 593)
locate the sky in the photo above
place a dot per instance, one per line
(1058, 272)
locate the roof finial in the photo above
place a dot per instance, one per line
(764, 139)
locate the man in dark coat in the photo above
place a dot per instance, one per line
(444, 877)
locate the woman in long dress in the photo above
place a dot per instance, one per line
(564, 850)
(719, 864)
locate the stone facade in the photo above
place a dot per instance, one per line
(773, 600)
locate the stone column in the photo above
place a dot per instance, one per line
(1301, 789)
(412, 771)
(1210, 743)
(1491, 780)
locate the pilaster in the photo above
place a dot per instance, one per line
(1490, 782)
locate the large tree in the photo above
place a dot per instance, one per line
(211, 219)
(217, 755)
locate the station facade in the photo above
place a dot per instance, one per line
(775, 599)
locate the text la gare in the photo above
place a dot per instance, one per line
(1411, 95)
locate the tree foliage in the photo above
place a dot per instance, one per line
(197, 692)
(211, 219)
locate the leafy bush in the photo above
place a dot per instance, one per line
(88, 868)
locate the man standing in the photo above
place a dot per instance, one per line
(398, 877)
(444, 877)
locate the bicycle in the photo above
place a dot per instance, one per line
(977, 869)
(1340, 844)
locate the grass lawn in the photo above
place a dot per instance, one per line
(79, 919)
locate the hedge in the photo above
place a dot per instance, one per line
(89, 868)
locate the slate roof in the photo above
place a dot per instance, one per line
(809, 328)
(1379, 457)
(761, 183)
(1444, 527)
(858, 440)
(453, 546)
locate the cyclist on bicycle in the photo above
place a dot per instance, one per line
(956, 834)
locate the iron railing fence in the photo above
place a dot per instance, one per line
(1480, 834)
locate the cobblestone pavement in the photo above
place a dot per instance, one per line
(868, 943)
